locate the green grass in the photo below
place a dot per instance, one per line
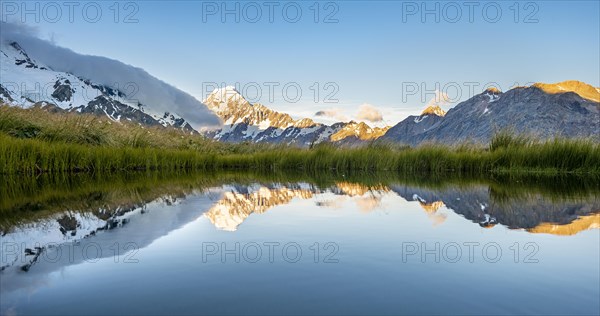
(35, 141)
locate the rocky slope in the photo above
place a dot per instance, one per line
(568, 109)
(405, 131)
(244, 121)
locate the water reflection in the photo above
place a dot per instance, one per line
(32, 251)
(43, 220)
(533, 212)
(238, 202)
(43, 212)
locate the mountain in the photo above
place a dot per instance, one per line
(244, 121)
(27, 82)
(413, 125)
(583, 89)
(434, 110)
(38, 73)
(569, 109)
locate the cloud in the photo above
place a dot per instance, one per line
(368, 112)
(157, 95)
(440, 99)
(18, 29)
(332, 113)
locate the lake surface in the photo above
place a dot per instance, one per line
(254, 244)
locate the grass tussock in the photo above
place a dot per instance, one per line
(73, 128)
(35, 141)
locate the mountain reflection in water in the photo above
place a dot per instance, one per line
(531, 211)
(45, 212)
(369, 215)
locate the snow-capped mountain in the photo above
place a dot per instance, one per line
(244, 121)
(37, 72)
(569, 109)
(27, 82)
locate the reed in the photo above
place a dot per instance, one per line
(35, 141)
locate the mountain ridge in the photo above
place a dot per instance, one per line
(543, 111)
(244, 121)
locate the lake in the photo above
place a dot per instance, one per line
(236, 243)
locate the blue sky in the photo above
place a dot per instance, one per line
(373, 52)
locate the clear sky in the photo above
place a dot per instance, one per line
(374, 52)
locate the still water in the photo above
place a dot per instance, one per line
(246, 244)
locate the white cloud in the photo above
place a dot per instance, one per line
(440, 99)
(368, 112)
(334, 113)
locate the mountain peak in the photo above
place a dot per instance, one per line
(433, 110)
(223, 95)
(245, 121)
(224, 100)
(360, 130)
(492, 90)
(226, 89)
(581, 88)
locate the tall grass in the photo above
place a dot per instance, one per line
(34, 141)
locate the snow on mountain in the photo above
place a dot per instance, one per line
(234, 110)
(35, 71)
(244, 121)
(358, 130)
